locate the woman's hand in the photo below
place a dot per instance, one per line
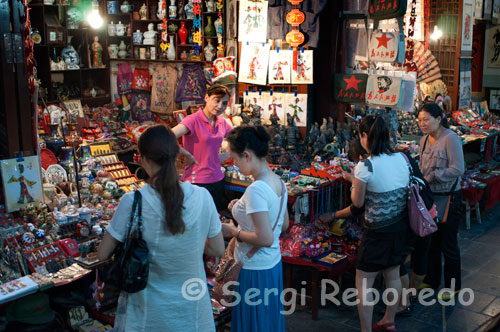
(231, 204)
(229, 229)
(348, 176)
(188, 157)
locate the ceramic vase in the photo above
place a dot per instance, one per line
(209, 52)
(172, 10)
(161, 11)
(183, 33)
(209, 28)
(171, 49)
(54, 142)
(188, 9)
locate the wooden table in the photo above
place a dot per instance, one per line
(315, 269)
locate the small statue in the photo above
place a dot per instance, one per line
(97, 53)
(292, 133)
(330, 131)
(323, 128)
(314, 133)
(245, 118)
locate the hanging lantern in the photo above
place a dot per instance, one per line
(295, 17)
(295, 38)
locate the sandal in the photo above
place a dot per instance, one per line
(390, 327)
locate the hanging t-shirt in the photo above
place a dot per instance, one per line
(124, 78)
(192, 86)
(163, 90)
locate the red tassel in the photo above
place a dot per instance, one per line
(294, 58)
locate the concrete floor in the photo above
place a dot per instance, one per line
(480, 249)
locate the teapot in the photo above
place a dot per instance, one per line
(113, 51)
(125, 7)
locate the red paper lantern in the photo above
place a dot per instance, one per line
(295, 38)
(295, 17)
(295, 2)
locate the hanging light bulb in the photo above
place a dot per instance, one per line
(94, 18)
(437, 33)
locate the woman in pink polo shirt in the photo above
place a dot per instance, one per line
(202, 134)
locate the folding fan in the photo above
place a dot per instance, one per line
(427, 65)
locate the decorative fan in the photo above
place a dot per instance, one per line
(427, 65)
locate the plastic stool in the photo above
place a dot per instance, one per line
(467, 213)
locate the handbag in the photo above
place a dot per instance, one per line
(350, 88)
(130, 269)
(383, 9)
(421, 221)
(383, 90)
(229, 267)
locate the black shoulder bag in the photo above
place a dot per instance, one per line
(130, 268)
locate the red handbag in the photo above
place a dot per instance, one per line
(229, 267)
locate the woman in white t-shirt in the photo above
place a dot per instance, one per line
(261, 279)
(380, 182)
(180, 223)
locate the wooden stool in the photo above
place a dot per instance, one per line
(467, 213)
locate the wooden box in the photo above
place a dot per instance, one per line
(55, 33)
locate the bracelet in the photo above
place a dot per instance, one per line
(352, 187)
(238, 234)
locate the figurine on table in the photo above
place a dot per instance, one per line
(97, 53)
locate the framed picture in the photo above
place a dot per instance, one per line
(180, 115)
(494, 100)
(493, 46)
(487, 6)
(22, 182)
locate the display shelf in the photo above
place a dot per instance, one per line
(157, 60)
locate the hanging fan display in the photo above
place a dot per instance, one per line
(427, 65)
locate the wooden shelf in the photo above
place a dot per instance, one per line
(65, 70)
(209, 37)
(119, 15)
(157, 60)
(148, 21)
(96, 100)
(86, 69)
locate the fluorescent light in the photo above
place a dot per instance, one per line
(437, 33)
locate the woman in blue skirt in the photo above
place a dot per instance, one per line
(261, 214)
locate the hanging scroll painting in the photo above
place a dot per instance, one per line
(467, 24)
(252, 21)
(253, 63)
(280, 66)
(274, 107)
(296, 106)
(304, 72)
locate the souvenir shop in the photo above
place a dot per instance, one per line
(82, 79)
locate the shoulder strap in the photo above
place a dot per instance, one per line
(409, 166)
(283, 193)
(425, 143)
